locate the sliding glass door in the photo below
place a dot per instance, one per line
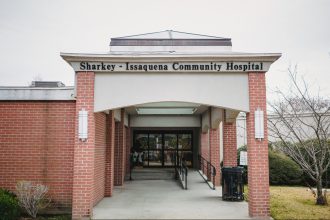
(160, 148)
(155, 155)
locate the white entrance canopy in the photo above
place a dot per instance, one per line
(171, 66)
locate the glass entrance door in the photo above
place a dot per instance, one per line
(185, 149)
(155, 154)
(159, 148)
(170, 149)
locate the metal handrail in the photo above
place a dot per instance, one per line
(181, 172)
(208, 170)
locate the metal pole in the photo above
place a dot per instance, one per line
(186, 182)
(214, 174)
(130, 167)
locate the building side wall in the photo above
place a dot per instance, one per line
(100, 155)
(120, 151)
(36, 144)
(110, 150)
(117, 154)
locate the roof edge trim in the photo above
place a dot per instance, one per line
(265, 57)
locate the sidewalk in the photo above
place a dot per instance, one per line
(165, 199)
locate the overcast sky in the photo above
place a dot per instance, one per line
(34, 32)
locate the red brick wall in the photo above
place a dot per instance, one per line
(229, 145)
(205, 148)
(205, 145)
(214, 136)
(120, 152)
(122, 142)
(99, 157)
(83, 177)
(36, 144)
(128, 149)
(117, 156)
(109, 176)
(258, 168)
(210, 150)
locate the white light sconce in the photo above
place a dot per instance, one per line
(259, 124)
(83, 125)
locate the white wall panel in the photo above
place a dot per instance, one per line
(117, 90)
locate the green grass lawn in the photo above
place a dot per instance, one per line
(295, 203)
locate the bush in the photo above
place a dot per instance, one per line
(32, 197)
(283, 170)
(9, 207)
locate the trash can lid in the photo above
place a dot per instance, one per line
(232, 169)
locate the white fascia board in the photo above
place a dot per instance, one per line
(27, 93)
(161, 57)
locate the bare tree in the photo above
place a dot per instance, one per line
(32, 197)
(301, 128)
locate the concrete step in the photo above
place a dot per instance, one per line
(152, 174)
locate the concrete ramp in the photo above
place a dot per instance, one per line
(163, 199)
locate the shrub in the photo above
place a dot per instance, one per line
(283, 170)
(32, 197)
(9, 207)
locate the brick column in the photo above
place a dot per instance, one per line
(128, 150)
(258, 168)
(109, 159)
(214, 143)
(120, 151)
(83, 174)
(204, 151)
(205, 145)
(229, 145)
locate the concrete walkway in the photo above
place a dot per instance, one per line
(165, 199)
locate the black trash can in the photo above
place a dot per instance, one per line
(232, 183)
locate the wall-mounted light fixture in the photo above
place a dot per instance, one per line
(259, 124)
(83, 125)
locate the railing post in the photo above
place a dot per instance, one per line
(130, 167)
(210, 171)
(186, 182)
(214, 174)
(181, 170)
